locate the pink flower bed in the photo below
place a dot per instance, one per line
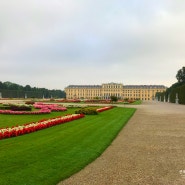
(32, 127)
(42, 111)
(52, 107)
(104, 109)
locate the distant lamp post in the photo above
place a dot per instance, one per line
(177, 99)
(25, 96)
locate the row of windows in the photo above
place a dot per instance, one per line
(110, 94)
(112, 86)
(78, 94)
(124, 94)
(84, 91)
(113, 89)
(136, 95)
(117, 88)
(107, 97)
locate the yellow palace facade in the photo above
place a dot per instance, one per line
(106, 90)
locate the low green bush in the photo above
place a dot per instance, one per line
(29, 102)
(87, 111)
(20, 108)
(4, 107)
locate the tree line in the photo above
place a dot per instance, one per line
(13, 90)
(176, 91)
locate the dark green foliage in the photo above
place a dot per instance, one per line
(182, 94)
(20, 108)
(15, 107)
(171, 94)
(12, 90)
(114, 98)
(180, 91)
(176, 89)
(87, 111)
(4, 107)
(29, 102)
(161, 96)
(181, 75)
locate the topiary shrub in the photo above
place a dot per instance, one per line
(20, 108)
(87, 111)
(5, 107)
(29, 102)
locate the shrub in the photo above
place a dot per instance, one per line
(131, 101)
(20, 108)
(87, 111)
(181, 94)
(29, 102)
(52, 99)
(5, 107)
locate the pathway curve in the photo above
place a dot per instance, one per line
(149, 150)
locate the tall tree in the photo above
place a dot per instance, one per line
(114, 98)
(181, 75)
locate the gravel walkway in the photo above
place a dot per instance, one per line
(150, 150)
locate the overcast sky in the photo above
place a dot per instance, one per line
(53, 44)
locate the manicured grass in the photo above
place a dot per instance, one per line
(51, 155)
(138, 102)
(13, 120)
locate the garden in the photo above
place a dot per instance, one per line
(45, 148)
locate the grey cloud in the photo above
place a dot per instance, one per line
(101, 40)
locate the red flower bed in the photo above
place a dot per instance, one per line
(104, 109)
(32, 127)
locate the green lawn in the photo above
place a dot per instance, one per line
(51, 155)
(138, 102)
(12, 120)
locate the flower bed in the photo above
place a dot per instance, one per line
(15, 107)
(41, 111)
(44, 109)
(32, 127)
(52, 107)
(104, 109)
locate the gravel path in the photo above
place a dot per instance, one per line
(150, 150)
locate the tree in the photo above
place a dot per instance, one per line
(27, 88)
(181, 75)
(12, 90)
(114, 98)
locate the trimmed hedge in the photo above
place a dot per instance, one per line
(15, 107)
(181, 94)
(20, 108)
(5, 107)
(177, 90)
(87, 111)
(29, 102)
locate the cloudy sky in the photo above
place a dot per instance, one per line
(57, 43)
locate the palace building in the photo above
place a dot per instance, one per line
(106, 90)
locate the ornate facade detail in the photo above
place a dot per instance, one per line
(106, 90)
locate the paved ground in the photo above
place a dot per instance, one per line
(150, 150)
